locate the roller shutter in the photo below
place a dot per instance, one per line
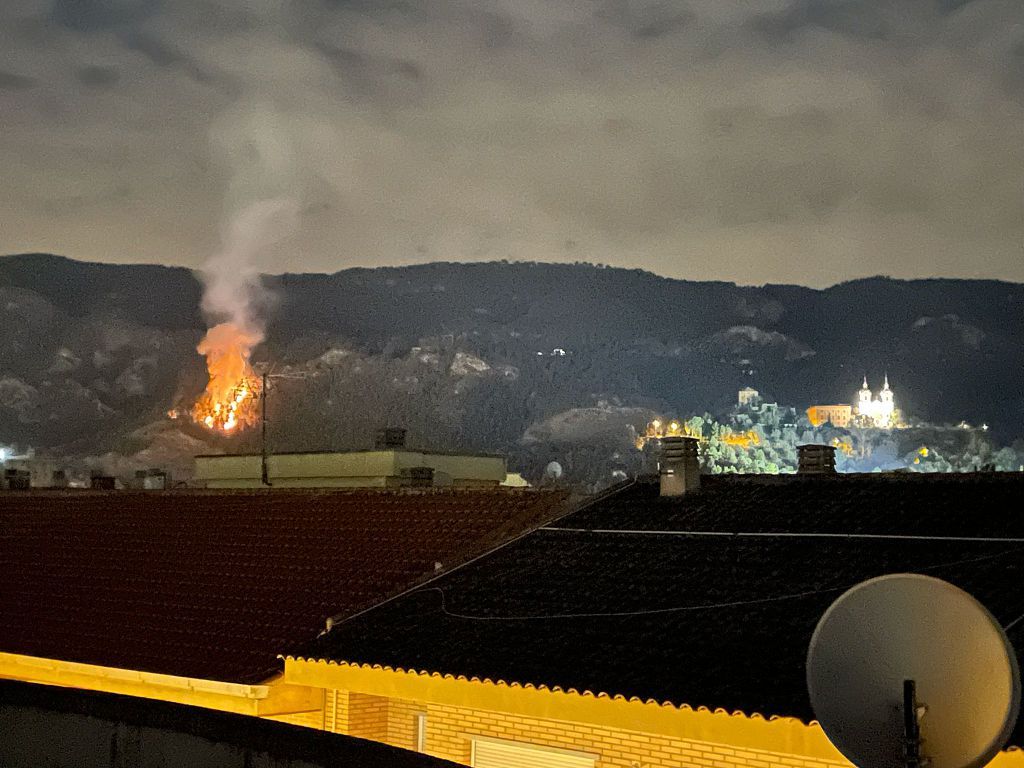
(507, 754)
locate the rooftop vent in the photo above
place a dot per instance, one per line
(390, 438)
(102, 483)
(421, 477)
(679, 468)
(17, 480)
(816, 460)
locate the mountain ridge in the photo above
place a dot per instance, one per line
(92, 353)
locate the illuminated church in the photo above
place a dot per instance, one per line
(879, 412)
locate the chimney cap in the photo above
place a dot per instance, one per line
(390, 438)
(816, 459)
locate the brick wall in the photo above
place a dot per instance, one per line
(450, 731)
(368, 716)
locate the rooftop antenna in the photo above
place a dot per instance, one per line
(268, 373)
(890, 640)
(264, 475)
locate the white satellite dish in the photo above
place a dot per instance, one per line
(904, 645)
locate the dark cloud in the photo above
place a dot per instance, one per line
(164, 54)
(95, 15)
(647, 20)
(9, 81)
(785, 140)
(97, 77)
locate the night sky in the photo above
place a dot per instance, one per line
(806, 141)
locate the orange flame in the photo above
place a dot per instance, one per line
(229, 401)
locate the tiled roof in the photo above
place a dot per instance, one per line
(640, 596)
(216, 584)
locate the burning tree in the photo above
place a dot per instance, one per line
(230, 399)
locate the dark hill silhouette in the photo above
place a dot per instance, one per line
(89, 353)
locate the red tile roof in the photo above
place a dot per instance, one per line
(215, 584)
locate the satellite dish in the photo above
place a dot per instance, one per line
(553, 471)
(907, 644)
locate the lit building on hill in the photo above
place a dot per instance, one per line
(870, 412)
(747, 395)
(878, 412)
(837, 415)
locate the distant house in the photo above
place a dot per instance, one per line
(633, 632)
(837, 415)
(747, 395)
(190, 596)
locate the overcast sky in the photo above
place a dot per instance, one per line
(806, 141)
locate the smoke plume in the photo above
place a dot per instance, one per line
(262, 209)
(262, 213)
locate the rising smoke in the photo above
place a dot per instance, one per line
(262, 212)
(262, 209)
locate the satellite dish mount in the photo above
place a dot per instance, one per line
(912, 715)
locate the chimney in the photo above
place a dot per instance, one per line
(390, 439)
(102, 483)
(679, 468)
(816, 460)
(421, 477)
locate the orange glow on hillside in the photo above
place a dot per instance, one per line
(741, 439)
(229, 401)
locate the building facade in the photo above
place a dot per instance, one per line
(837, 415)
(385, 468)
(629, 633)
(877, 412)
(746, 396)
(649, 631)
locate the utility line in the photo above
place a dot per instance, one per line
(337, 620)
(794, 535)
(698, 607)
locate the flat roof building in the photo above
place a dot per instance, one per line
(384, 468)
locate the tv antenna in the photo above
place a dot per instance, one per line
(266, 376)
(909, 671)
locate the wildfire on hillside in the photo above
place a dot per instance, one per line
(229, 402)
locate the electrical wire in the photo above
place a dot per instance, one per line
(1013, 623)
(794, 535)
(698, 607)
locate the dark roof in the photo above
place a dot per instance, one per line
(216, 584)
(636, 595)
(43, 725)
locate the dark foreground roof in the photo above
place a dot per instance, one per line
(44, 725)
(643, 596)
(216, 584)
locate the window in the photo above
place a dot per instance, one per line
(496, 753)
(421, 731)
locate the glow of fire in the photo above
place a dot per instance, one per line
(229, 401)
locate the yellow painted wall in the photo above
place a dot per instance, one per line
(382, 705)
(359, 469)
(625, 734)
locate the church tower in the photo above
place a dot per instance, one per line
(864, 399)
(886, 395)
